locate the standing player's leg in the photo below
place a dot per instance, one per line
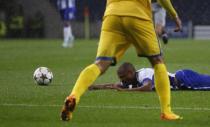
(162, 85)
(88, 76)
(68, 37)
(85, 79)
(146, 44)
(160, 21)
(112, 45)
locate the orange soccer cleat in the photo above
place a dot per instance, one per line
(68, 108)
(170, 116)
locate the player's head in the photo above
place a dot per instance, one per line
(127, 73)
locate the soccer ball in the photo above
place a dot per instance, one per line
(43, 76)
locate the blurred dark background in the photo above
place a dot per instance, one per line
(41, 19)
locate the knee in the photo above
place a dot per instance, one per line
(66, 23)
(156, 60)
(103, 65)
(158, 30)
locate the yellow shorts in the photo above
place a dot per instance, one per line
(118, 33)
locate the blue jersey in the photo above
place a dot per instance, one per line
(67, 9)
(191, 80)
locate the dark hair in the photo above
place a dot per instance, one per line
(125, 67)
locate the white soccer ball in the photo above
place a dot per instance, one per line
(43, 76)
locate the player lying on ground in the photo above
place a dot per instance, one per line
(143, 80)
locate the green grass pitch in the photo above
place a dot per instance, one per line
(25, 104)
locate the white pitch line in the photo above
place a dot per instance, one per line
(107, 107)
(28, 105)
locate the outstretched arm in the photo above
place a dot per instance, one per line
(166, 4)
(146, 87)
(105, 86)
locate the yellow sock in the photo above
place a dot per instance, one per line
(162, 86)
(86, 78)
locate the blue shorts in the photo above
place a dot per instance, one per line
(67, 14)
(188, 79)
